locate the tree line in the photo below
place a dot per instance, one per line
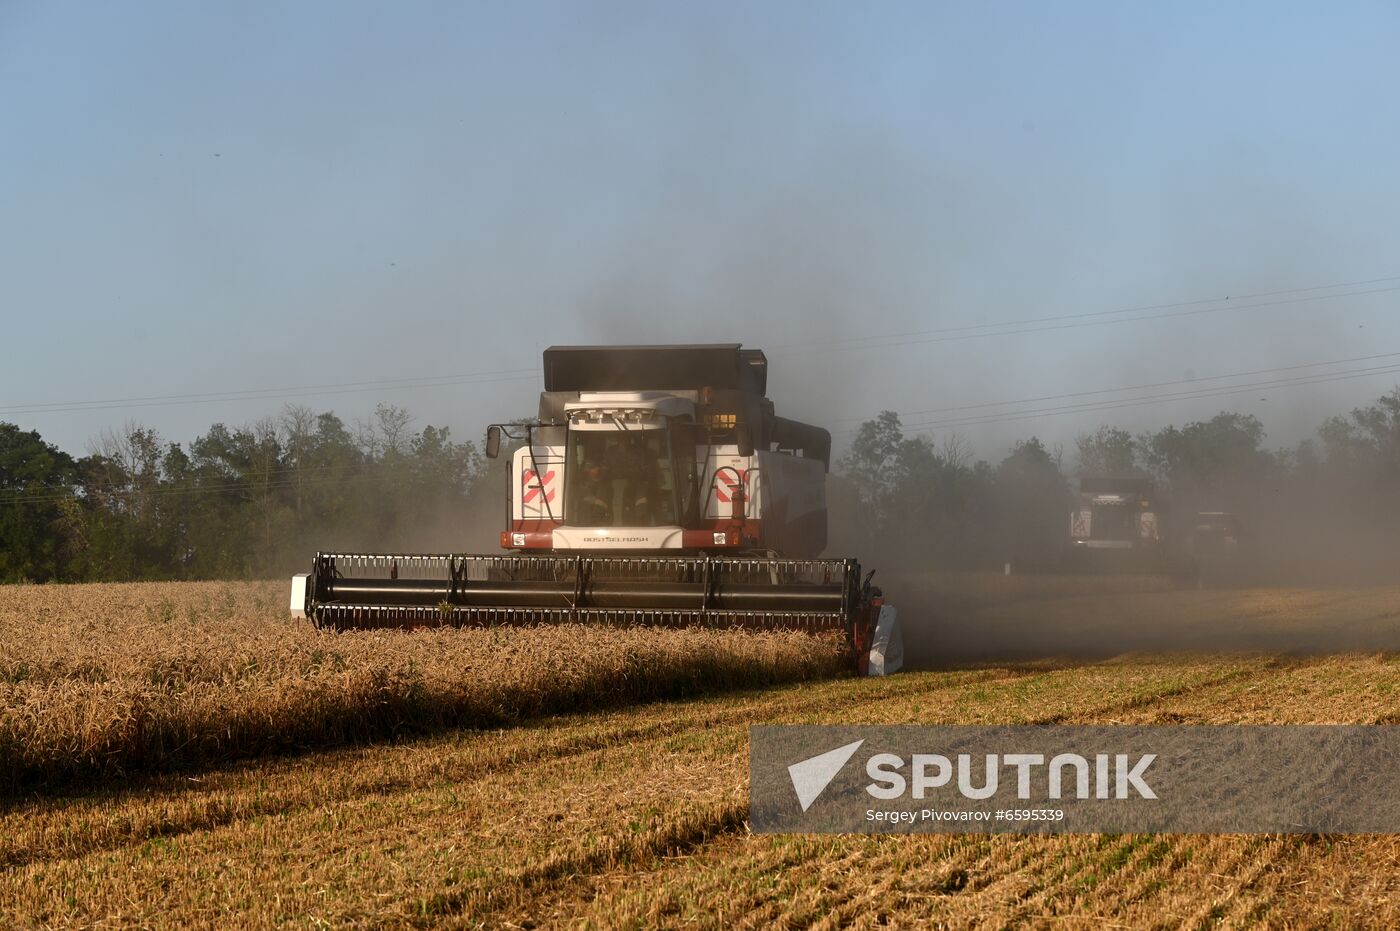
(1326, 509)
(257, 500)
(233, 503)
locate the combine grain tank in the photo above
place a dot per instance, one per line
(656, 486)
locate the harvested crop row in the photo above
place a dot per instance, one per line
(43, 828)
(102, 680)
(951, 881)
(438, 831)
(967, 881)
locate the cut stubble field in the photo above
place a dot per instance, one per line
(632, 811)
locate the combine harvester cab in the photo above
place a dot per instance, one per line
(657, 487)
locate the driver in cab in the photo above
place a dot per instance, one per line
(596, 492)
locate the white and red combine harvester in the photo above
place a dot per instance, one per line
(657, 486)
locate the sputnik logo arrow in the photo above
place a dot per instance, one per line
(811, 776)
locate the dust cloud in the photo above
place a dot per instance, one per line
(954, 618)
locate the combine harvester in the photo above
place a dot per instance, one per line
(657, 487)
(1116, 525)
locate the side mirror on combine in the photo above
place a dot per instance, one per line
(493, 441)
(745, 439)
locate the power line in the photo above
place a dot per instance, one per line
(266, 394)
(916, 337)
(1114, 404)
(1223, 391)
(957, 334)
(221, 480)
(1125, 310)
(1159, 384)
(260, 484)
(225, 484)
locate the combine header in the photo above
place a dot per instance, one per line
(657, 487)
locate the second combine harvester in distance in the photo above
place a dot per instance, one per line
(658, 486)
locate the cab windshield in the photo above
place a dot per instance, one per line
(619, 478)
(1114, 522)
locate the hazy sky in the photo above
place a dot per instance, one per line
(213, 199)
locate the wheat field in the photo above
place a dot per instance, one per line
(98, 681)
(633, 814)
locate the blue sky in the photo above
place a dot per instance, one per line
(208, 199)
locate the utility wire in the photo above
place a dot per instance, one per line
(260, 484)
(224, 484)
(1114, 404)
(1130, 310)
(266, 394)
(914, 337)
(956, 334)
(1159, 384)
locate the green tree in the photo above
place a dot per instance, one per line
(908, 503)
(1360, 461)
(1032, 501)
(1107, 451)
(1211, 464)
(35, 484)
(124, 531)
